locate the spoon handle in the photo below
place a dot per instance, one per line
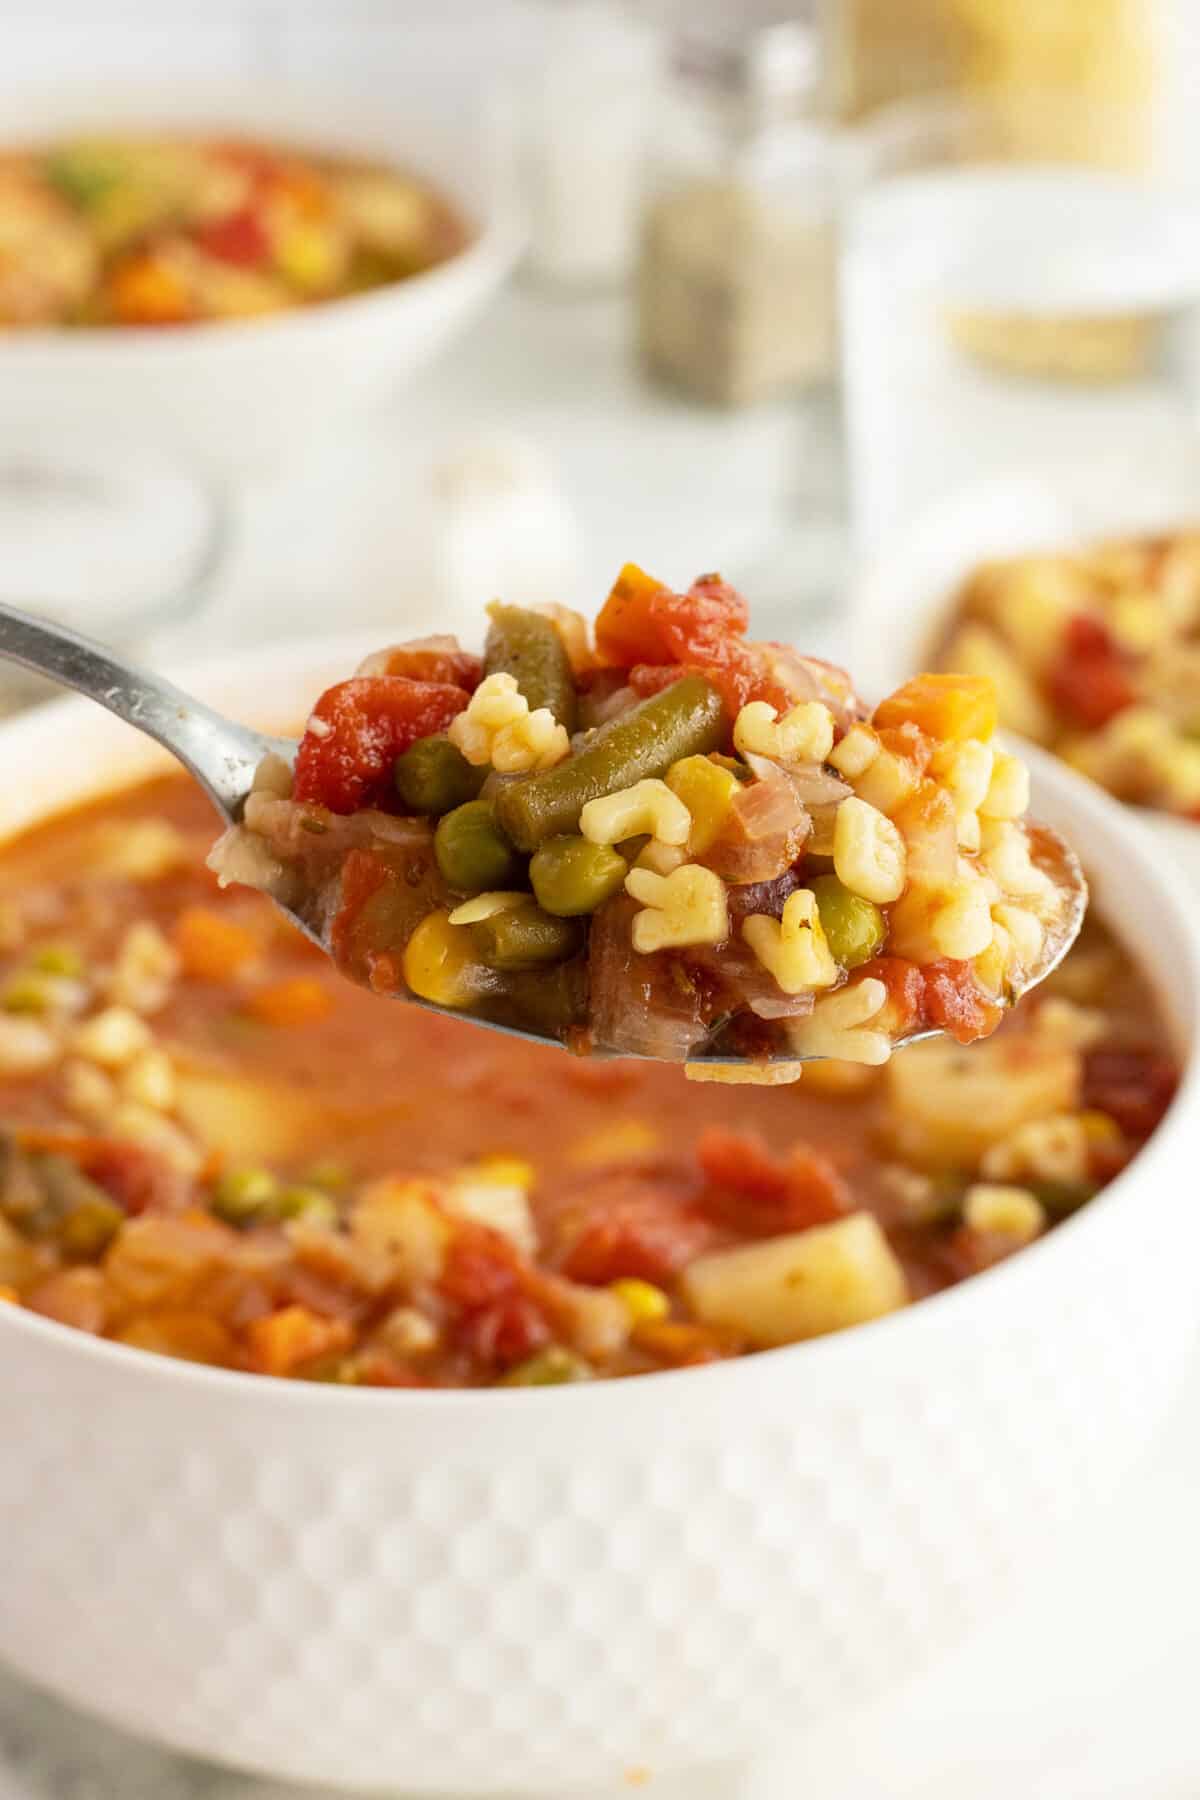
(220, 754)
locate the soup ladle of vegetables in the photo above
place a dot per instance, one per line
(662, 839)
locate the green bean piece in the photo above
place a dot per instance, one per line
(855, 928)
(525, 644)
(473, 852)
(433, 777)
(550, 1367)
(525, 937)
(571, 877)
(686, 719)
(551, 1001)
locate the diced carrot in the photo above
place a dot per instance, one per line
(300, 1000)
(683, 1346)
(626, 630)
(283, 1340)
(944, 706)
(146, 290)
(212, 948)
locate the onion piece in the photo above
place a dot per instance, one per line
(743, 982)
(640, 1005)
(762, 834)
(809, 678)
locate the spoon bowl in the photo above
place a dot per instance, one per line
(222, 756)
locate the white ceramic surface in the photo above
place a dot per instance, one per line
(901, 600)
(531, 1590)
(251, 393)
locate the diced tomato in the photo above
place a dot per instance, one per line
(755, 1191)
(702, 626)
(361, 727)
(430, 662)
(955, 1002)
(283, 1340)
(239, 238)
(626, 631)
(631, 1227)
(1134, 1087)
(1088, 682)
(481, 1268)
(904, 1008)
(504, 1333)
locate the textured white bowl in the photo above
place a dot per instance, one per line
(532, 1590)
(902, 599)
(243, 394)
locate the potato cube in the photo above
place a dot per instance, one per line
(801, 1285)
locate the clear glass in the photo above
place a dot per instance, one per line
(117, 546)
(1020, 282)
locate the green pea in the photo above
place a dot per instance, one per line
(855, 927)
(571, 876)
(89, 1227)
(473, 852)
(550, 1367)
(525, 937)
(245, 1196)
(433, 777)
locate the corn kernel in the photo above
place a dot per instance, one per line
(439, 963)
(855, 753)
(513, 1171)
(793, 949)
(839, 1025)
(804, 734)
(708, 792)
(641, 1299)
(868, 852)
(486, 906)
(647, 807)
(686, 907)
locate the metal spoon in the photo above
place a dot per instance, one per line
(223, 756)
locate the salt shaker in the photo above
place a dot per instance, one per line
(736, 273)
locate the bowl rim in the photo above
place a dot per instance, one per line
(933, 1314)
(494, 239)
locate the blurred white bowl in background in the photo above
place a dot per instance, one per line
(487, 1592)
(253, 392)
(901, 600)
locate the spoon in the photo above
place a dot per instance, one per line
(223, 756)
